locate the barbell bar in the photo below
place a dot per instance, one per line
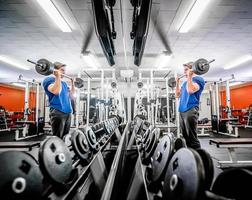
(46, 68)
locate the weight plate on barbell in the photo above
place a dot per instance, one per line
(55, 160)
(21, 178)
(140, 84)
(80, 147)
(46, 69)
(200, 66)
(78, 82)
(172, 82)
(184, 178)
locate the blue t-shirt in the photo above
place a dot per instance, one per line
(189, 101)
(60, 102)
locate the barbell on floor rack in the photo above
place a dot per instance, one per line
(46, 68)
(199, 67)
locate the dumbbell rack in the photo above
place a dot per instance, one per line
(249, 122)
(3, 122)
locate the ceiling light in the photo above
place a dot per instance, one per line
(163, 60)
(55, 15)
(90, 59)
(194, 14)
(238, 61)
(19, 85)
(13, 62)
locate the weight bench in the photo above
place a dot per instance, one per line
(13, 145)
(202, 128)
(231, 144)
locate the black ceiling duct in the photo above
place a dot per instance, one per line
(103, 30)
(140, 26)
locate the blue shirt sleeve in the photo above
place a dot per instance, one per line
(200, 81)
(48, 81)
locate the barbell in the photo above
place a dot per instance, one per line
(199, 67)
(46, 68)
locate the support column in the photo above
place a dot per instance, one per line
(228, 99)
(152, 97)
(148, 100)
(177, 112)
(88, 100)
(168, 104)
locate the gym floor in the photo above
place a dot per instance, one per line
(222, 153)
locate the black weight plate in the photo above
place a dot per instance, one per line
(147, 133)
(208, 167)
(233, 183)
(103, 140)
(199, 68)
(91, 138)
(184, 176)
(67, 139)
(47, 68)
(106, 127)
(80, 147)
(138, 125)
(78, 82)
(179, 143)
(55, 160)
(20, 175)
(149, 147)
(172, 82)
(161, 157)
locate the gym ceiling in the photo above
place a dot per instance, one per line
(223, 33)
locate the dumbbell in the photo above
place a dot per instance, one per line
(100, 133)
(189, 175)
(25, 177)
(233, 183)
(56, 163)
(78, 144)
(154, 174)
(21, 177)
(199, 67)
(46, 68)
(149, 145)
(112, 124)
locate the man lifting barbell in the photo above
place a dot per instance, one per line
(59, 96)
(189, 94)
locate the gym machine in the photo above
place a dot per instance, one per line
(29, 128)
(223, 125)
(154, 99)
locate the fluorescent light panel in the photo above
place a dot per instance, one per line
(239, 61)
(194, 15)
(90, 60)
(54, 14)
(13, 62)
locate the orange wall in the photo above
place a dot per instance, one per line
(240, 97)
(12, 99)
